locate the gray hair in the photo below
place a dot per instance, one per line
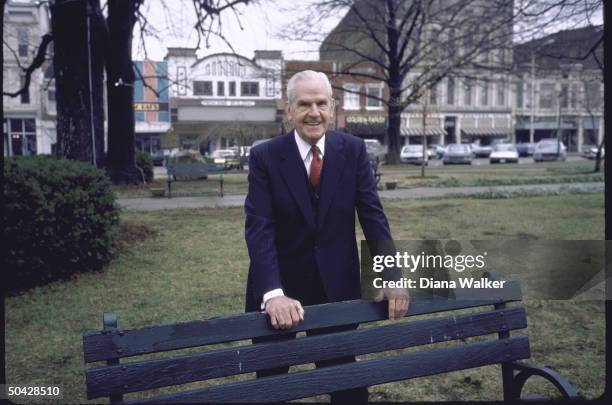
(307, 75)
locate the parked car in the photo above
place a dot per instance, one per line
(412, 154)
(481, 151)
(376, 150)
(590, 152)
(525, 148)
(457, 153)
(158, 158)
(226, 157)
(438, 149)
(504, 153)
(548, 149)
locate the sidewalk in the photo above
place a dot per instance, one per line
(153, 204)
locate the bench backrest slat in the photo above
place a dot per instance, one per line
(101, 345)
(145, 375)
(363, 373)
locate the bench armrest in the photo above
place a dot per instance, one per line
(527, 370)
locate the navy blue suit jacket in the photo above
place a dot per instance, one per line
(285, 242)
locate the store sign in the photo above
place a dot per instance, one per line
(150, 107)
(228, 103)
(366, 119)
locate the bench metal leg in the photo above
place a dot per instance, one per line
(527, 370)
(169, 188)
(221, 187)
(109, 323)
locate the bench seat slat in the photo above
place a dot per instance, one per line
(100, 345)
(363, 373)
(145, 375)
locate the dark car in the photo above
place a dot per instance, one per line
(525, 148)
(158, 158)
(457, 153)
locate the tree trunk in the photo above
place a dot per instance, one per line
(597, 168)
(78, 61)
(120, 90)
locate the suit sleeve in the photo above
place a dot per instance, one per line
(371, 215)
(260, 228)
(369, 209)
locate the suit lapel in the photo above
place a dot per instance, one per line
(294, 174)
(333, 165)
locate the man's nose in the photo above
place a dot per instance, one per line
(313, 109)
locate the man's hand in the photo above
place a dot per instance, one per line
(398, 298)
(284, 312)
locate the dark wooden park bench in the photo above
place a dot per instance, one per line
(489, 314)
(193, 170)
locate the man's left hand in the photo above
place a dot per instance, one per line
(399, 300)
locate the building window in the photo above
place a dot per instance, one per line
(51, 95)
(249, 89)
(592, 95)
(220, 88)
(484, 94)
(501, 93)
(202, 88)
(374, 92)
(22, 42)
(546, 95)
(433, 95)
(351, 98)
(25, 96)
(519, 95)
(22, 135)
(450, 91)
(574, 95)
(232, 89)
(467, 92)
(529, 103)
(564, 96)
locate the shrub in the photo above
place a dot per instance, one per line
(59, 219)
(145, 163)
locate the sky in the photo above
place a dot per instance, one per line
(173, 20)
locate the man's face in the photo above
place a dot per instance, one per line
(311, 109)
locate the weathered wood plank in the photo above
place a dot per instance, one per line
(144, 375)
(101, 345)
(363, 373)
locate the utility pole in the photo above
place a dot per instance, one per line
(424, 133)
(532, 115)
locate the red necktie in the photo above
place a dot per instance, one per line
(316, 165)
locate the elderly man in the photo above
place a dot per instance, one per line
(304, 188)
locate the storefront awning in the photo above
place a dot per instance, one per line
(419, 132)
(486, 131)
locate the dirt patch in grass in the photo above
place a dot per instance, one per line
(131, 233)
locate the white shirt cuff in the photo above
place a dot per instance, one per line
(278, 292)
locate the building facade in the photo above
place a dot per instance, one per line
(224, 100)
(29, 119)
(151, 104)
(558, 88)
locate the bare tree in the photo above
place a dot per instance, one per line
(86, 44)
(415, 44)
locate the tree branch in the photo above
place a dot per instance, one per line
(39, 59)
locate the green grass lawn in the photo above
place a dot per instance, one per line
(195, 267)
(551, 172)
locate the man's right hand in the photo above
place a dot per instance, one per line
(284, 312)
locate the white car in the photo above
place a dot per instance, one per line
(504, 153)
(413, 154)
(549, 149)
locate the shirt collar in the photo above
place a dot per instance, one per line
(304, 147)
